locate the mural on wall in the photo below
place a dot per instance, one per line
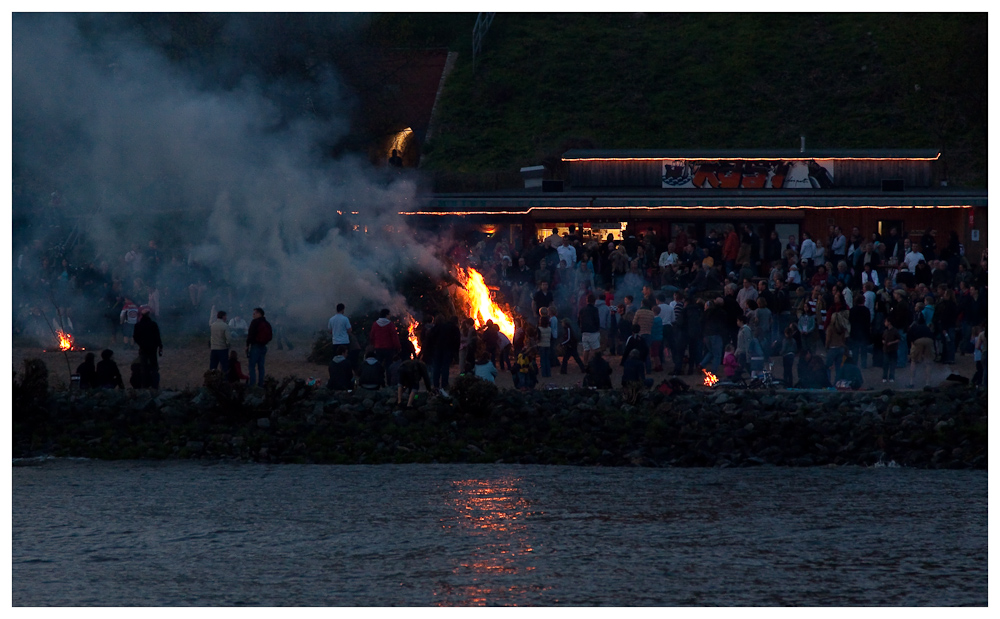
(767, 174)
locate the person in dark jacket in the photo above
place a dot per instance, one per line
(147, 337)
(694, 316)
(87, 372)
(598, 372)
(945, 321)
(372, 374)
(861, 333)
(812, 371)
(341, 372)
(635, 370)
(714, 328)
(445, 339)
(635, 342)
(259, 334)
(106, 373)
(410, 374)
(569, 347)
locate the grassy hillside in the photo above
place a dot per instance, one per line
(545, 83)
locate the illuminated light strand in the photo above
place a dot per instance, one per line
(686, 208)
(738, 159)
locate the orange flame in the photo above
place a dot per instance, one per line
(710, 379)
(411, 334)
(481, 306)
(65, 340)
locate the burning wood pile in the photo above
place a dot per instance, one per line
(710, 379)
(64, 342)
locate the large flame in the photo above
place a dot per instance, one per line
(65, 340)
(480, 305)
(710, 379)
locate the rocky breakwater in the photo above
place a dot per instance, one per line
(291, 421)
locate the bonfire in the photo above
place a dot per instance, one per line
(477, 301)
(710, 379)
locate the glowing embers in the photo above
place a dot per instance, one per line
(478, 302)
(710, 379)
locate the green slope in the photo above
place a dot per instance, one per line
(547, 82)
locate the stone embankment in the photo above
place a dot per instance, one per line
(293, 422)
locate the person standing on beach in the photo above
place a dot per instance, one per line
(340, 327)
(259, 334)
(385, 339)
(147, 338)
(218, 355)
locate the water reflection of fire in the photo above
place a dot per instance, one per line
(492, 512)
(479, 303)
(710, 379)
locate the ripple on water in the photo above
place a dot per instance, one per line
(183, 533)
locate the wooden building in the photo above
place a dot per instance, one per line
(618, 191)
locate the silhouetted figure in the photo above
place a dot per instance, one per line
(395, 160)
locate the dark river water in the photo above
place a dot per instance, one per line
(186, 533)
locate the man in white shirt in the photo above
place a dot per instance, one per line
(340, 327)
(669, 256)
(567, 252)
(745, 294)
(839, 246)
(870, 299)
(913, 258)
(808, 249)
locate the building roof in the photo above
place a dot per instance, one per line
(578, 154)
(633, 202)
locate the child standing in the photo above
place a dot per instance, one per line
(730, 365)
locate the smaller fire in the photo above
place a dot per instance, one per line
(65, 340)
(710, 379)
(411, 334)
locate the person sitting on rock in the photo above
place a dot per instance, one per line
(108, 376)
(341, 374)
(524, 370)
(812, 371)
(485, 369)
(393, 372)
(849, 375)
(87, 372)
(635, 371)
(598, 372)
(372, 375)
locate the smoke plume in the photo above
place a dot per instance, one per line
(144, 147)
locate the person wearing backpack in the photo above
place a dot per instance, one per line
(259, 333)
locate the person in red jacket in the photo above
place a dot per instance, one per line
(385, 339)
(731, 248)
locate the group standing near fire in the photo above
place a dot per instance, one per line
(893, 301)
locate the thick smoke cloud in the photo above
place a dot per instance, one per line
(141, 147)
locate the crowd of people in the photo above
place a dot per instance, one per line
(728, 303)
(731, 301)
